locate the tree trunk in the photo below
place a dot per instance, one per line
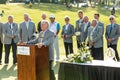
(95, 1)
(90, 3)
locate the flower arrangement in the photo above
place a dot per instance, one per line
(83, 55)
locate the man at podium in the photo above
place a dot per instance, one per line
(45, 38)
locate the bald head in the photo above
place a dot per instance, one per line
(44, 16)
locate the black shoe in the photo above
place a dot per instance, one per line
(0, 63)
(15, 63)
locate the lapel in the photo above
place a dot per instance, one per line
(95, 31)
(45, 35)
(8, 26)
(26, 26)
(68, 29)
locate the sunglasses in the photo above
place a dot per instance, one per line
(111, 19)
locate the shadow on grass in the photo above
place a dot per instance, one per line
(5, 73)
(52, 7)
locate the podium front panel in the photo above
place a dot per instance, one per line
(34, 66)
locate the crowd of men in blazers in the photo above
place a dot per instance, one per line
(89, 32)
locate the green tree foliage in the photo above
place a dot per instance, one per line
(2, 1)
(45, 1)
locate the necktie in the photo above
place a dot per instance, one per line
(110, 28)
(91, 34)
(42, 37)
(11, 29)
(85, 27)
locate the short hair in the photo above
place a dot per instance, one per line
(26, 14)
(44, 14)
(67, 17)
(111, 16)
(97, 14)
(10, 16)
(86, 17)
(94, 20)
(80, 11)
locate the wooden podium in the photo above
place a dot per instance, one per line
(33, 66)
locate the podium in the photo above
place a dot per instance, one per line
(33, 62)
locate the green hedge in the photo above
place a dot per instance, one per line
(45, 1)
(2, 1)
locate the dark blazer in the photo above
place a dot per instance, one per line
(69, 32)
(1, 31)
(39, 27)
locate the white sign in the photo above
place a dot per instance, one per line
(22, 50)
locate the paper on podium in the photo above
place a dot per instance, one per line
(23, 50)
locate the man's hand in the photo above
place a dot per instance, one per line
(22, 43)
(91, 43)
(12, 37)
(110, 40)
(66, 36)
(40, 45)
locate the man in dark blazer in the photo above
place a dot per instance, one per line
(10, 31)
(27, 30)
(1, 41)
(84, 29)
(112, 35)
(95, 40)
(67, 33)
(46, 38)
(78, 25)
(39, 24)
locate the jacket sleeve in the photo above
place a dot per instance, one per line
(117, 33)
(49, 40)
(5, 31)
(72, 31)
(16, 31)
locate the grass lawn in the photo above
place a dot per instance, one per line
(60, 11)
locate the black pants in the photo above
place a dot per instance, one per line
(7, 52)
(52, 75)
(116, 52)
(78, 44)
(97, 53)
(68, 48)
(1, 47)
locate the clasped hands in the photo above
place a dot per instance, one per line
(65, 36)
(12, 37)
